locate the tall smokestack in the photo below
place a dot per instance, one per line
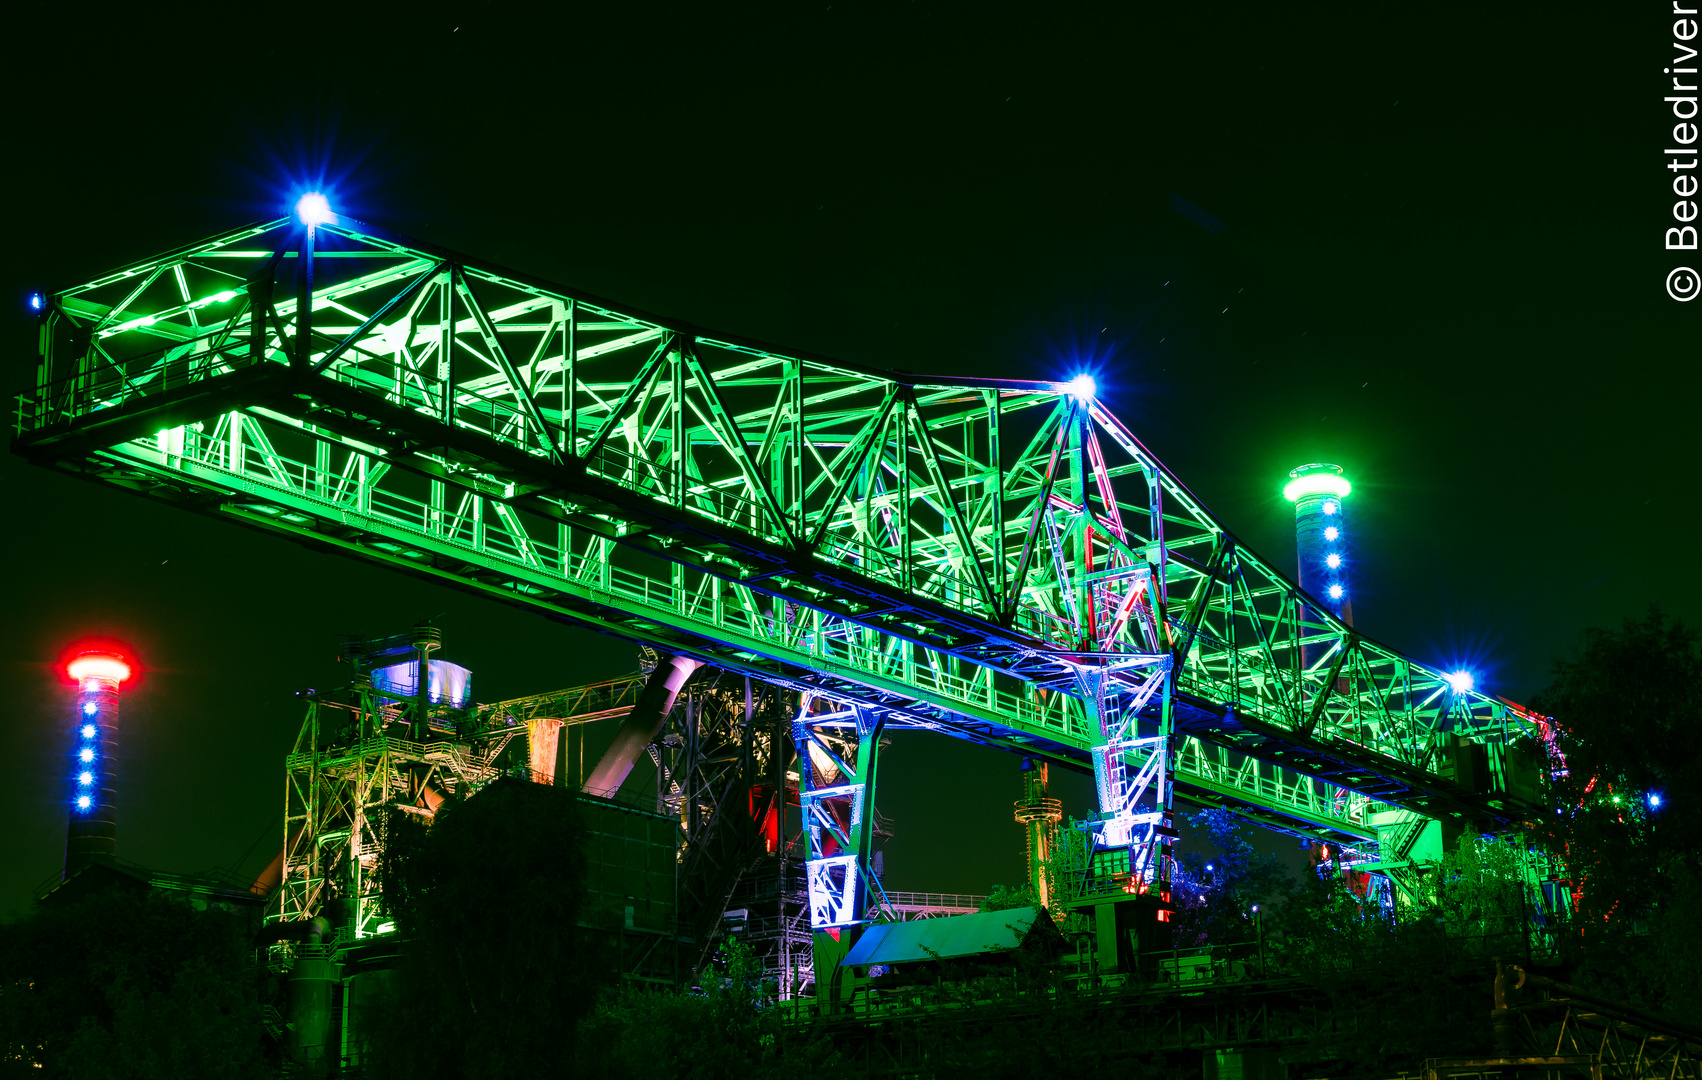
(1319, 493)
(93, 830)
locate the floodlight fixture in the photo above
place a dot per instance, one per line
(313, 209)
(1082, 388)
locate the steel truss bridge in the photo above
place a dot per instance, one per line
(1002, 562)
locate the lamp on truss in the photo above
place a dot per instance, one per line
(1082, 388)
(313, 209)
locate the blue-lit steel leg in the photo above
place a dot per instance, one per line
(1131, 771)
(838, 750)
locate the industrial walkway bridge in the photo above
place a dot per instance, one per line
(999, 561)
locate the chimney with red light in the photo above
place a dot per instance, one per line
(93, 831)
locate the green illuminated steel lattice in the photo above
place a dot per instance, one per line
(1001, 561)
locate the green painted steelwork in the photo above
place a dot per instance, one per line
(966, 555)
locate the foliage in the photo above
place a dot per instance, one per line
(730, 1030)
(1665, 969)
(1072, 857)
(1628, 707)
(487, 900)
(1006, 897)
(1216, 905)
(117, 984)
(1479, 892)
(1628, 710)
(1396, 991)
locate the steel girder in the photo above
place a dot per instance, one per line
(1001, 561)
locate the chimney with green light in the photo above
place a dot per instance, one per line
(1319, 493)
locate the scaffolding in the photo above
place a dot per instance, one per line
(363, 750)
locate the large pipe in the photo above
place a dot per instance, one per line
(271, 877)
(641, 725)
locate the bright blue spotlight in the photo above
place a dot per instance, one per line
(37, 301)
(1460, 681)
(1082, 387)
(1332, 560)
(1335, 592)
(1208, 866)
(1332, 533)
(85, 778)
(1331, 507)
(313, 209)
(90, 708)
(1655, 799)
(88, 731)
(86, 756)
(82, 802)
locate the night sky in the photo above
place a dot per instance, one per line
(1421, 242)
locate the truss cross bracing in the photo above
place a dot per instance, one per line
(1000, 561)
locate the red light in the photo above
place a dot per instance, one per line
(98, 665)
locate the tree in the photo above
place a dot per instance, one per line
(729, 1030)
(495, 972)
(1628, 708)
(1628, 712)
(120, 984)
(1006, 897)
(1215, 894)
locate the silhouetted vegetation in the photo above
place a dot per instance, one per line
(495, 971)
(1217, 896)
(726, 1029)
(133, 985)
(1628, 706)
(498, 976)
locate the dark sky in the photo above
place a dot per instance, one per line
(1420, 241)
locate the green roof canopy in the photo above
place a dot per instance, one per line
(949, 938)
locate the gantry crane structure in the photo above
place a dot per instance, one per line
(1000, 561)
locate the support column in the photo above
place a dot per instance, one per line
(1132, 771)
(427, 639)
(838, 753)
